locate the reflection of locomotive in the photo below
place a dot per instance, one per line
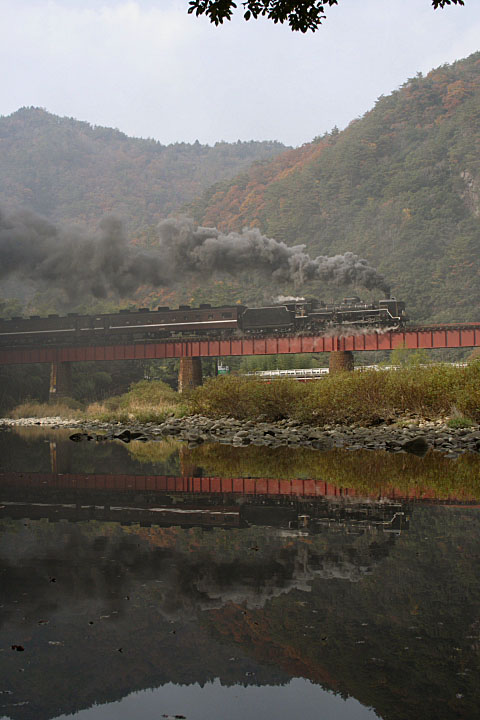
(201, 501)
(289, 317)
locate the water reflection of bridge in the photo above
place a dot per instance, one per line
(301, 505)
(204, 485)
(178, 484)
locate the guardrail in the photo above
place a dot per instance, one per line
(307, 372)
(320, 372)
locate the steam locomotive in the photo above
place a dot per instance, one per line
(295, 316)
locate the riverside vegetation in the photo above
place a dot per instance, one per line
(144, 402)
(368, 398)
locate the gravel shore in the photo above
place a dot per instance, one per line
(415, 436)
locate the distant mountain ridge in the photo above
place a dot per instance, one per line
(399, 186)
(68, 170)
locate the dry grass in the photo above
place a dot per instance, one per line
(64, 410)
(144, 402)
(364, 398)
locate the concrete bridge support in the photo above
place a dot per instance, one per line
(60, 380)
(341, 361)
(190, 375)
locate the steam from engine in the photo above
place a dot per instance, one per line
(32, 248)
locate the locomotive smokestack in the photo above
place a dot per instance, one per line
(103, 263)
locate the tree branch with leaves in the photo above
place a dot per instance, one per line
(302, 15)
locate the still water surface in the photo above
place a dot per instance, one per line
(152, 581)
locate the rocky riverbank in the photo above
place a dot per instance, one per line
(415, 436)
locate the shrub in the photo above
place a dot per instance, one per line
(145, 402)
(365, 397)
(246, 398)
(460, 421)
(423, 390)
(343, 398)
(468, 400)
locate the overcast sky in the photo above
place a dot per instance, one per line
(151, 70)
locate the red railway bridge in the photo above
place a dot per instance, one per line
(190, 351)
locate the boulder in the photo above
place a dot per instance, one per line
(417, 446)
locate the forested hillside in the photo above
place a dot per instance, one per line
(70, 171)
(400, 186)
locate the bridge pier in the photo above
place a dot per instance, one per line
(187, 468)
(341, 361)
(190, 375)
(60, 380)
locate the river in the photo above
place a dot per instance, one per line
(150, 580)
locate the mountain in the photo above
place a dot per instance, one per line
(71, 171)
(399, 186)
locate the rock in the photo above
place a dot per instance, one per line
(137, 435)
(125, 436)
(241, 439)
(80, 437)
(417, 446)
(321, 444)
(393, 446)
(171, 430)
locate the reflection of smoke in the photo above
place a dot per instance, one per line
(32, 248)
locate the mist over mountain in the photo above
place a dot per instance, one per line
(400, 187)
(70, 171)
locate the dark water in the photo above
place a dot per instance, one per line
(149, 581)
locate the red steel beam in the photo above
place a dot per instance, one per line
(425, 338)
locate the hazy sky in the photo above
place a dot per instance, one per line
(151, 70)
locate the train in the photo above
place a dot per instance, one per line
(290, 317)
(307, 506)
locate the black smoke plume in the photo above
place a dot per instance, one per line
(31, 248)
